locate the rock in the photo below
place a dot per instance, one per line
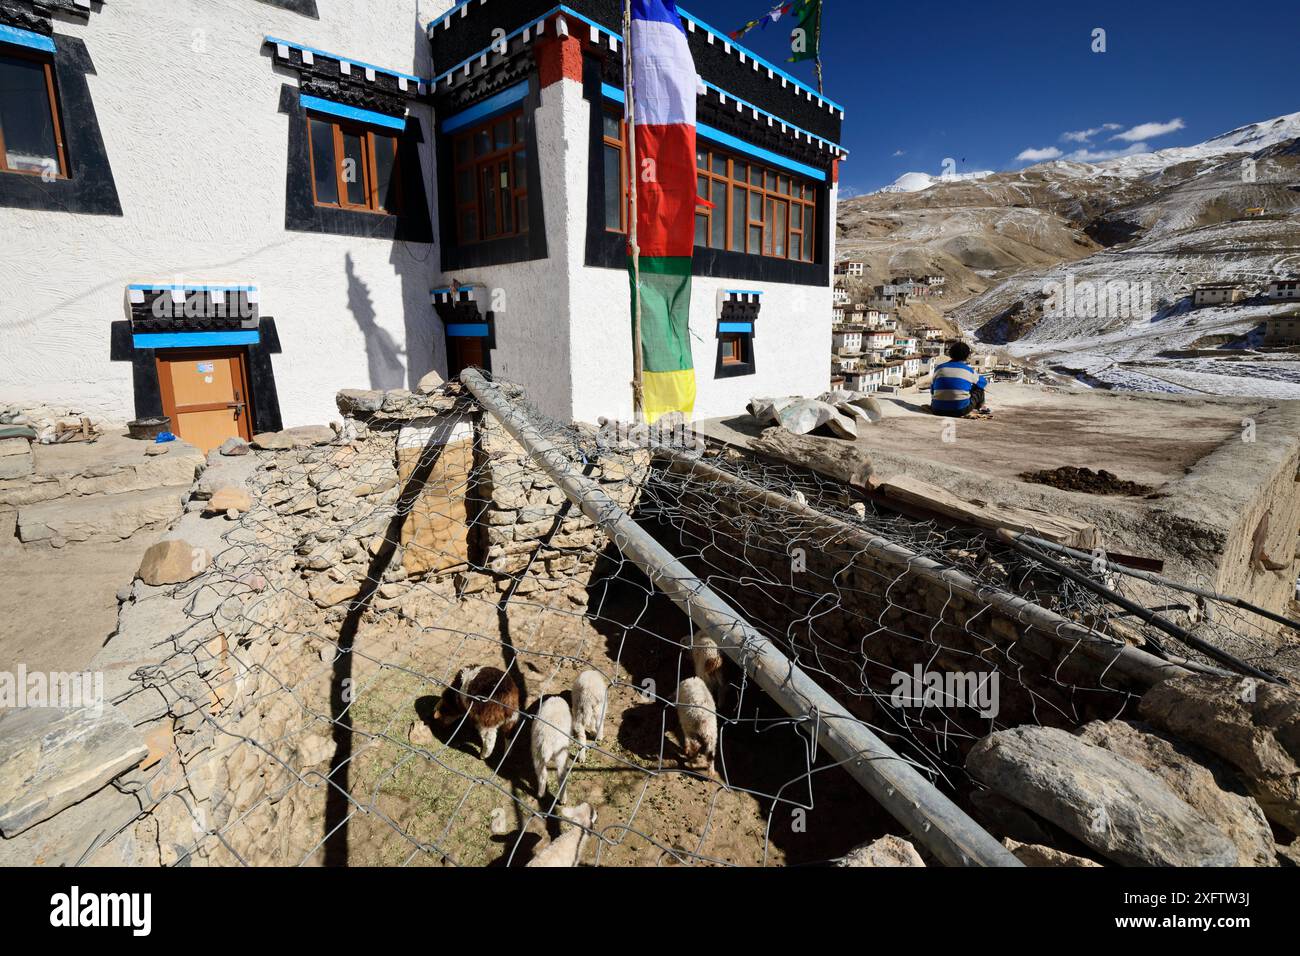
(1203, 784)
(304, 436)
(1113, 805)
(354, 402)
(227, 499)
(314, 749)
(154, 450)
(804, 416)
(172, 562)
(430, 384)
(398, 399)
(1253, 725)
(53, 757)
(327, 593)
(887, 851)
(232, 447)
(1032, 854)
(420, 735)
(16, 459)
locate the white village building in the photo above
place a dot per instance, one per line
(303, 195)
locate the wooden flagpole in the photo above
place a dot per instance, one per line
(629, 117)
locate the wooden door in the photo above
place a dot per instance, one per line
(205, 393)
(467, 352)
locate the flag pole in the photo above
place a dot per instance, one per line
(820, 18)
(633, 249)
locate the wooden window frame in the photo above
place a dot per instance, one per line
(370, 167)
(518, 195)
(47, 63)
(768, 201)
(621, 145)
(737, 341)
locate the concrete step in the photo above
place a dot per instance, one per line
(100, 516)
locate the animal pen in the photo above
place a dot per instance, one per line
(295, 692)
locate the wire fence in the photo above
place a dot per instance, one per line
(308, 689)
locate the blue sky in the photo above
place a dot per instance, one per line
(982, 82)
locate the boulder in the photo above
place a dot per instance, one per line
(228, 499)
(1116, 807)
(358, 403)
(1032, 854)
(304, 436)
(805, 416)
(173, 561)
(430, 384)
(232, 447)
(15, 458)
(887, 851)
(1203, 783)
(1253, 725)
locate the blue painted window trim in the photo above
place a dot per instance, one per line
(343, 59)
(726, 139)
(318, 105)
(497, 103)
(138, 287)
(27, 38)
(745, 328)
(467, 330)
(187, 340)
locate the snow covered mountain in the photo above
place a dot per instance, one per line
(915, 182)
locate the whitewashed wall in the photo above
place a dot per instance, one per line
(188, 105)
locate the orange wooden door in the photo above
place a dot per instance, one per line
(468, 354)
(205, 393)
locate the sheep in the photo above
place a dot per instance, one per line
(589, 703)
(566, 849)
(707, 657)
(699, 719)
(491, 698)
(551, 733)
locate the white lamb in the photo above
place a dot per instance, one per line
(566, 849)
(699, 719)
(589, 702)
(551, 733)
(707, 657)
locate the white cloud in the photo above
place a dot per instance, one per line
(1149, 130)
(899, 152)
(1084, 135)
(1038, 155)
(1098, 155)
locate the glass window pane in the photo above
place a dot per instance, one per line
(507, 205)
(385, 163)
(738, 203)
(783, 185)
(701, 159)
(465, 186)
(322, 153)
(502, 133)
(701, 229)
(771, 182)
(779, 230)
(796, 246)
(519, 128)
(740, 171)
(613, 189)
(25, 117)
(702, 187)
(613, 126)
(767, 233)
(719, 238)
(796, 216)
(490, 225)
(521, 169)
(720, 164)
(756, 207)
(464, 150)
(755, 176)
(482, 142)
(755, 240)
(354, 169)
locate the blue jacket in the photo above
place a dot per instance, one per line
(951, 385)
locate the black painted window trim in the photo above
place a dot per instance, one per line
(305, 7)
(301, 214)
(736, 369)
(608, 250)
(528, 247)
(88, 189)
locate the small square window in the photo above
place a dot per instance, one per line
(31, 138)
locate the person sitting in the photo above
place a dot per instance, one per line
(956, 388)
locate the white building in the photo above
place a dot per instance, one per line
(852, 269)
(847, 341)
(879, 340)
(1283, 290)
(906, 343)
(1217, 293)
(303, 195)
(837, 315)
(840, 295)
(867, 379)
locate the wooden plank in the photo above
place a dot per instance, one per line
(982, 514)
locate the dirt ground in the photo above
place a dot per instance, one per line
(59, 605)
(433, 803)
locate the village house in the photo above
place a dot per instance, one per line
(865, 379)
(840, 295)
(1282, 290)
(837, 314)
(1282, 330)
(1217, 293)
(847, 341)
(399, 202)
(852, 269)
(906, 343)
(879, 340)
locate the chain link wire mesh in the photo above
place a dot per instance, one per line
(303, 686)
